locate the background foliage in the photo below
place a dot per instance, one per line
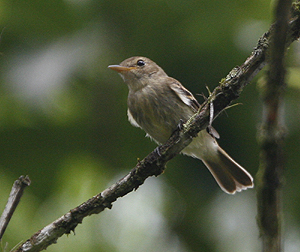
(63, 121)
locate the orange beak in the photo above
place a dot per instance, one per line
(120, 69)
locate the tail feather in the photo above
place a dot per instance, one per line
(223, 178)
(230, 176)
(237, 171)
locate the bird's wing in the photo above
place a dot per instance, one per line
(185, 95)
(187, 98)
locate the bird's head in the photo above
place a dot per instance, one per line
(138, 71)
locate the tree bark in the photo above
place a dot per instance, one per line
(272, 134)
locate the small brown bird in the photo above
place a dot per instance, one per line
(157, 103)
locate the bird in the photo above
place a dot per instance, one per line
(157, 103)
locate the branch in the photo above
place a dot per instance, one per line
(154, 164)
(272, 135)
(13, 201)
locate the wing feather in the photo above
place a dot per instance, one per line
(185, 95)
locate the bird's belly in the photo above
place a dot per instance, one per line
(204, 145)
(158, 117)
(158, 128)
(158, 124)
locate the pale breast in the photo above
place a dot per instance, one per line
(157, 111)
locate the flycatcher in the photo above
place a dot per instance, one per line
(157, 103)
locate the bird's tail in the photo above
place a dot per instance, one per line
(230, 176)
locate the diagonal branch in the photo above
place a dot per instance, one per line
(154, 164)
(14, 198)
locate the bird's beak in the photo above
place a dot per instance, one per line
(120, 69)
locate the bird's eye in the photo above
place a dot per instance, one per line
(140, 63)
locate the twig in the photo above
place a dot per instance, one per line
(154, 164)
(13, 201)
(272, 134)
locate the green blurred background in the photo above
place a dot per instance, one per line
(63, 122)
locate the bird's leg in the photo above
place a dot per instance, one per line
(180, 125)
